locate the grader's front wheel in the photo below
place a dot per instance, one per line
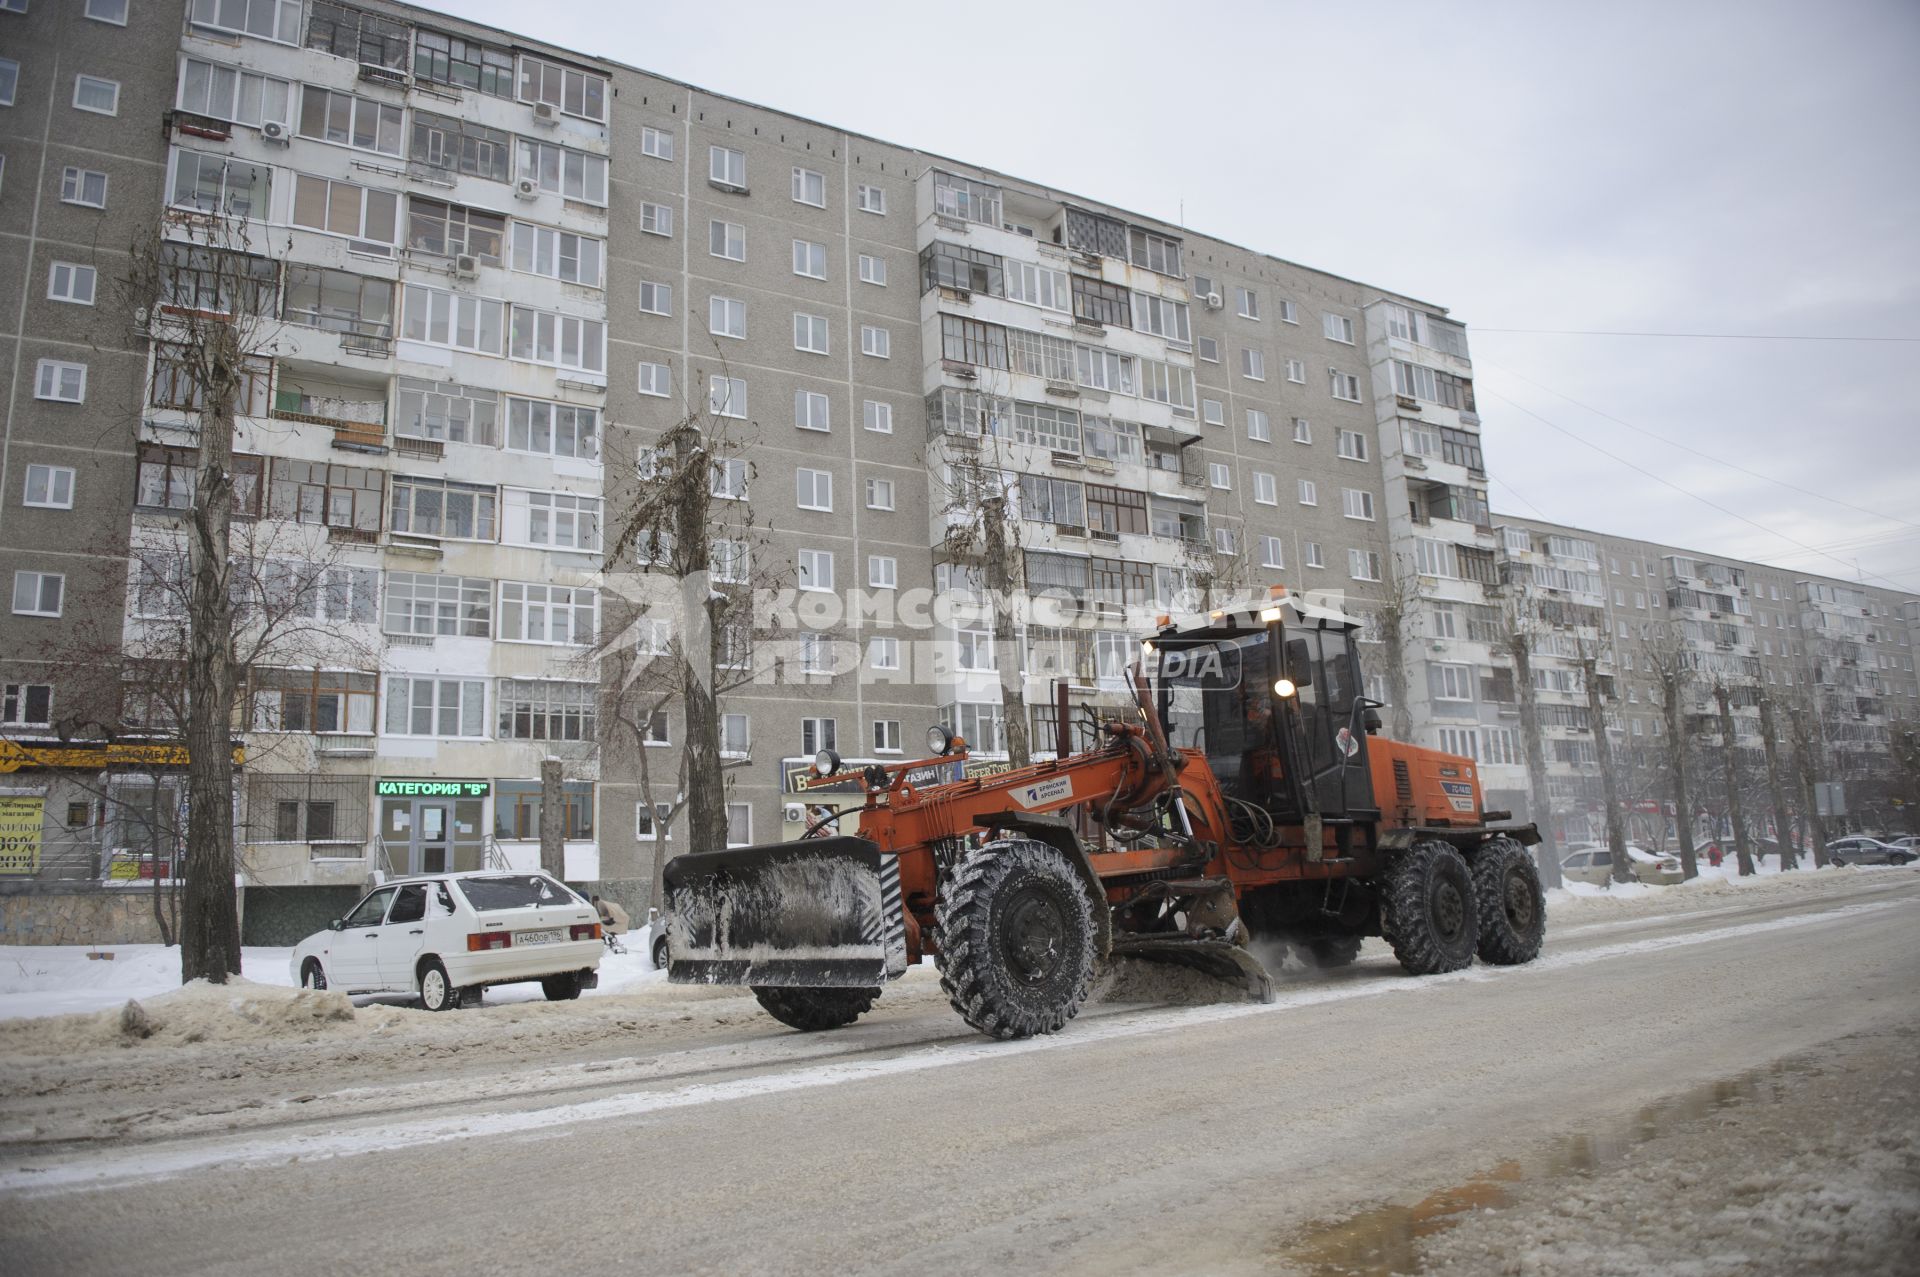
(1016, 939)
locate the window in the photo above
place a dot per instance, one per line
(1115, 511)
(967, 200)
(735, 735)
(546, 614)
(1266, 490)
(739, 824)
(1452, 682)
(656, 299)
(555, 520)
(320, 701)
(1297, 371)
(38, 593)
(339, 301)
(450, 230)
(1343, 385)
(339, 208)
(26, 704)
(1288, 312)
(51, 487)
(1313, 555)
(727, 396)
(1363, 565)
(113, 12)
(9, 80)
(876, 341)
(1272, 552)
(559, 170)
(457, 320)
(70, 282)
(656, 219)
(727, 167)
(1352, 445)
(220, 185)
(358, 34)
(561, 341)
(656, 380)
(569, 90)
(1157, 253)
(541, 709)
(879, 416)
(646, 822)
(1226, 540)
(883, 654)
(1357, 503)
(433, 507)
(1095, 302)
(91, 93)
(974, 649)
(1337, 327)
(448, 59)
(656, 142)
(553, 429)
(879, 494)
(727, 239)
(1259, 429)
(816, 569)
(1103, 369)
(426, 603)
(517, 804)
(883, 572)
(1213, 412)
(886, 735)
(727, 317)
(871, 199)
(1038, 286)
(347, 120)
(316, 492)
(969, 341)
(980, 725)
(811, 410)
(1248, 303)
(1302, 430)
(810, 333)
(460, 146)
(728, 479)
(813, 490)
(561, 255)
(816, 734)
(809, 259)
(809, 187)
(1309, 492)
(448, 412)
(84, 186)
(1253, 364)
(873, 270)
(1219, 475)
(61, 382)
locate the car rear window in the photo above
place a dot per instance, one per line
(515, 891)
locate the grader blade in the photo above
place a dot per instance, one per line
(821, 913)
(1218, 958)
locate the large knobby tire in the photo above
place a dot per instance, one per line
(1513, 908)
(1328, 952)
(1016, 940)
(1431, 921)
(811, 1010)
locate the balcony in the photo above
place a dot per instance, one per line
(357, 413)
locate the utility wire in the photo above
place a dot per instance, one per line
(1686, 492)
(1707, 456)
(1604, 332)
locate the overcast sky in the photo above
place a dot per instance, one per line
(1671, 167)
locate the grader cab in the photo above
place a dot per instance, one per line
(1245, 798)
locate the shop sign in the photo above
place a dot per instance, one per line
(433, 788)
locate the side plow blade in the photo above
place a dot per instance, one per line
(823, 913)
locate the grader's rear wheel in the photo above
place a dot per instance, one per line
(812, 1010)
(1431, 915)
(1327, 952)
(1016, 940)
(1513, 908)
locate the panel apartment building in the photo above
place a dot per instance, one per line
(498, 271)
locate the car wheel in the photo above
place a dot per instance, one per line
(660, 954)
(1837, 861)
(564, 987)
(312, 976)
(436, 990)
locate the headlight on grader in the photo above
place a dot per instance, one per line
(1283, 688)
(939, 740)
(826, 763)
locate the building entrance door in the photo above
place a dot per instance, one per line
(430, 849)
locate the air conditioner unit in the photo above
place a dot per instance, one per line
(466, 266)
(795, 813)
(526, 188)
(276, 132)
(544, 113)
(1214, 301)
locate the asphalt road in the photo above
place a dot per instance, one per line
(1184, 1138)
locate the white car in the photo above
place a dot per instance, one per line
(444, 937)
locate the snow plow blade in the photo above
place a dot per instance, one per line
(822, 913)
(1217, 958)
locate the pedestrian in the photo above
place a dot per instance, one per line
(1713, 854)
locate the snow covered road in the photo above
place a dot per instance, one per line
(680, 1126)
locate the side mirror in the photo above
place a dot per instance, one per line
(1299, 663)
(334, 925)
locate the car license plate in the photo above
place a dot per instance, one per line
(554, 936)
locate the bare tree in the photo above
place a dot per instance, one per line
(1603, 752)
(1803, 724)
(1519, 626)
(1903, 735)
(1776, 786)
(1671, 664)
(1730, 762)
(1397, 619)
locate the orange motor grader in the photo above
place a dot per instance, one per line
(1246, 798)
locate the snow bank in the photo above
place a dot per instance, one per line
(238, 1011)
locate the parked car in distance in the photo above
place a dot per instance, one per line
(444, 937)
(1858, 849)
(1592, 863)
(657, 939)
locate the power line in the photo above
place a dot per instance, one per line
(1687, 492)
(1707, 456)
(1606, 332)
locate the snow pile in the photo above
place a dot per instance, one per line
(239, 1011)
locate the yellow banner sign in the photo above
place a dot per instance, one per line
(20, 835)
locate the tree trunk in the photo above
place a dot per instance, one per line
(162, 915)
(210, 921)
(1544, 852)
(1742, 851)
(553, 818)
(1804, 764)
(700, 654)
(1677, 762)
(1603, 751)
(1783, 831)
(999, 583)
